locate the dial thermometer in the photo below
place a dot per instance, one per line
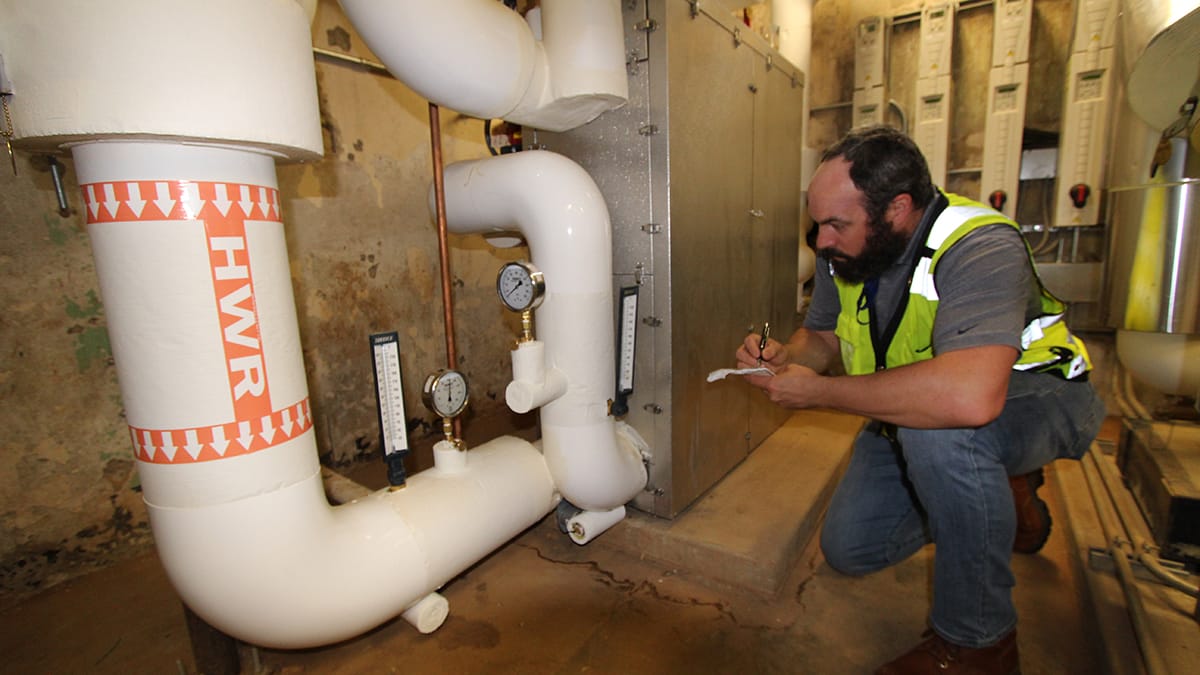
(446, 393)
(521, 286)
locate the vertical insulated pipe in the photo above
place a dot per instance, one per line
(560, 212)
(190, 254)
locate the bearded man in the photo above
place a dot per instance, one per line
(949, 343)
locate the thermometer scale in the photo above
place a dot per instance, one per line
(389, 401)
(626, 339)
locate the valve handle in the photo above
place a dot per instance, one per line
(1079, 194)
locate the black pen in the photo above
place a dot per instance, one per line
(762, 342)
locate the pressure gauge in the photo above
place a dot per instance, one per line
(521, 286)
(446, 393)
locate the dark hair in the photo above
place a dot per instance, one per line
(884, 163)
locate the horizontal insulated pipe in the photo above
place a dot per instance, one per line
(192, 264)
(481, 59)
(556, 205)
(222, 71)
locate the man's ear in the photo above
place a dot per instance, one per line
(900, 208)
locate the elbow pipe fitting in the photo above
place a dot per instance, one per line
(489, 64)
(560, 212)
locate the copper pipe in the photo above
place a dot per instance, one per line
(439, 191)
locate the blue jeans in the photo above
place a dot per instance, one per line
(950, 487)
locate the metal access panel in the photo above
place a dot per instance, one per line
(701, 174)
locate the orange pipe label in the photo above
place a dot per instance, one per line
(223, 209)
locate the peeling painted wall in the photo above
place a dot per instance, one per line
(364, 259)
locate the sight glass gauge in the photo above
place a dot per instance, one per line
(446, 393)
(521, 286)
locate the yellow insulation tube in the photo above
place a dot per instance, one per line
(1145, 276)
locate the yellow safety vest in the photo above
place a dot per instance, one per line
(1046, 343)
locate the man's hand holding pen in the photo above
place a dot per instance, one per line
(761, 350)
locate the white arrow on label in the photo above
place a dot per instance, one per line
(245, 437)
(218, 440)
(222, 201)
(136, 203)
(93, 205)
(246, 202)
(268, 429)
(110, 199)
(164, 202)
(193, 445)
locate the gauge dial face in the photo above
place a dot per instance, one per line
(446, 393)
(520, 286)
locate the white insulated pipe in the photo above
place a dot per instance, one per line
(228, 71)
(174, 143)
(560, 212)
(192, 263)
(481, 59)
(532, 385)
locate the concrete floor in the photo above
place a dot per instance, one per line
(649, 596)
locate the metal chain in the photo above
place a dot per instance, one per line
(8, 132)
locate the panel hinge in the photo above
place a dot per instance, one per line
(640, 273)
(652, 228)
(648, 130)
(653, 408)
(652, 321)
(649, 25)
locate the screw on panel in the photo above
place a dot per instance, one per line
(753, 88)
(737, 37)
(695, 8)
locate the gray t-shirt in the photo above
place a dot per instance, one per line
(986, 287)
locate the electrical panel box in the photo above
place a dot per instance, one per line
(931, 127)
(870, 71)
(1087, 109)
(1008, 86)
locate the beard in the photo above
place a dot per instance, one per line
(883, 248)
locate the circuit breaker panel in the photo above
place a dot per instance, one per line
(870, 71)
(1086, 112)
(931, 126)
(1008, 89)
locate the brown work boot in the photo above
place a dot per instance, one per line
(1033, 516)
(935, 655)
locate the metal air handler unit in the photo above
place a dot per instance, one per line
(701, 173)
